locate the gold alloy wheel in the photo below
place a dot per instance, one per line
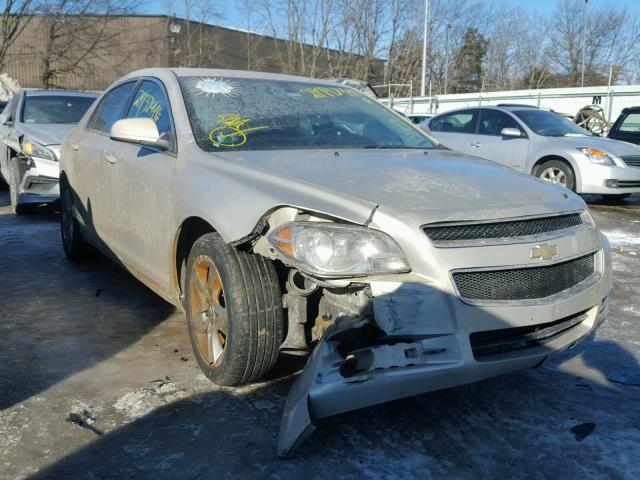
(208, 311)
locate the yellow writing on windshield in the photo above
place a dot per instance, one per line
(232, 131)
(328, 92)
(146, 104)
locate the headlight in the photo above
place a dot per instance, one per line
(333, 250)
(34, 149)
(597, 156)
(587, 218)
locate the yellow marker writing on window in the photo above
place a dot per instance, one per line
(232, 131)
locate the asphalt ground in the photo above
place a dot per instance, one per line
(97, 380)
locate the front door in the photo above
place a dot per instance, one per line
(489, 143)
(143, 230)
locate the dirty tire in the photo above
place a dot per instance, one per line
(17, 170)
(75, 247)
(561, 170)
(234, 311)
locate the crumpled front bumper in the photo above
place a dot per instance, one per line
(40, 183)
(421, 356)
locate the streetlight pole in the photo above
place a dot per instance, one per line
(425, 33)
(446, 58)
(584, 40)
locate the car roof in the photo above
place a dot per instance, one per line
(215, 72)
(59, 93)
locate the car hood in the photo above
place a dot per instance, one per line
(608, 145)
(429, 186)
(46, 133)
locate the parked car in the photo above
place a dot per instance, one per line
(420, 119)
(293, 214)
(32, 126)
(627, 128)
(543, 144)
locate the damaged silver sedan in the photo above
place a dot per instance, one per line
(287, 214)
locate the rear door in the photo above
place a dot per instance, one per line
(456, 130)
(492, 145)
(141, 179)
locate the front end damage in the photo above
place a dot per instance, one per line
(379, 338)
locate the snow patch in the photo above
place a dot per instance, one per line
(142, 401)
(618, 237)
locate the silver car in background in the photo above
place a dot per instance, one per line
(32, 127)
(543, 144)
(289, 214)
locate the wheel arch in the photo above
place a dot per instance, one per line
(569, 162)
(188, 232)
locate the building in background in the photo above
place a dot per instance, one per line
(89, 52)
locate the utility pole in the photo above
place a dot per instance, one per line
(425, 34)
(584, 40)
(446, 58)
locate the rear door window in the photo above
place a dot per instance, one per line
(493, 121)
(111, 108)
(630, 123)
(456, 122)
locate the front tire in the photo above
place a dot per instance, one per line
(75, 247)
(234, 311)
(558, 172)
(17, 169)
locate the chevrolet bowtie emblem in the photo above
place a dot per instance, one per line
(544, 252)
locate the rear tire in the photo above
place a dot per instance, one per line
(234, 311)
(558, 172)
(75, 247)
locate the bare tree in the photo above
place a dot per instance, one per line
(78, 34)
(15, 18)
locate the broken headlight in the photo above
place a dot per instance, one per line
(34, 149)
(334, 250)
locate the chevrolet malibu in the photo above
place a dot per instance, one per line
(287, 214)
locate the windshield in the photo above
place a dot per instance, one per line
(549, 124)
(230, 114)
(55, 108)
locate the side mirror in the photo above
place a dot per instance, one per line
(5, 119)
(142, 131)
(510, 132)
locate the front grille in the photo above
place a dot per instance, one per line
(632, 160)
(496, 342)
(506, 229)
(524, 283)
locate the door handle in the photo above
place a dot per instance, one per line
(75, 147)
(111, 158)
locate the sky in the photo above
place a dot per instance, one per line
(233, 10)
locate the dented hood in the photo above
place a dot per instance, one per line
(46, 133)
(424, 186)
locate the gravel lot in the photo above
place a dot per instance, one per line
(98, 381)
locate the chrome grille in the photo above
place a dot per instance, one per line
(512, 228)
(632, 160)
(524, 283)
